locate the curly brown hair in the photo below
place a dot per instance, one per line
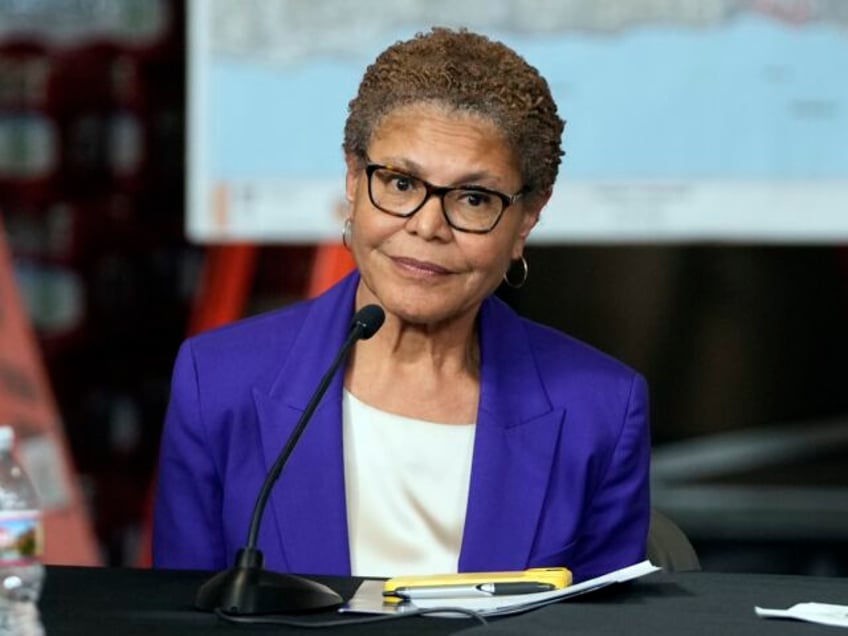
(469, 72)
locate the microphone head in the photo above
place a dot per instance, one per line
(368, 320)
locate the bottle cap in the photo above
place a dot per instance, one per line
(7, 437)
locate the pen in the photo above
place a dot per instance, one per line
(464, 591)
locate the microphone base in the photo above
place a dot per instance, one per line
(254, 590)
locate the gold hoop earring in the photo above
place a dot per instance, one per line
(346, 230)
(525, 272)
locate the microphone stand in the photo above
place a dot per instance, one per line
(247, 588)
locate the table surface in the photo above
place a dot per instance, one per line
(114, 601)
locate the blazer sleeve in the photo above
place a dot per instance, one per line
(616, 526)
(187, 531)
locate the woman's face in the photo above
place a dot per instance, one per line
(419, 268)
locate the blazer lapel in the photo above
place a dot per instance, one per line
(308, 500)
(516, 440)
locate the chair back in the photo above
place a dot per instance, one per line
(668, 546)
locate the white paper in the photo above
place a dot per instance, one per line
(821, 613)
(369, 596)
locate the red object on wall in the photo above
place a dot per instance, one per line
(333, 262)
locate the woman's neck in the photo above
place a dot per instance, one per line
(420, 371)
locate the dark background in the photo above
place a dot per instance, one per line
(730, 337)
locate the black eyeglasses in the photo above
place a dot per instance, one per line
(467, 209)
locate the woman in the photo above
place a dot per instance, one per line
(461, 437)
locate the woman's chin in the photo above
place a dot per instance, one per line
(423, 311)
(420, 304)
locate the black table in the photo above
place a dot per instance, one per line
(118, 602)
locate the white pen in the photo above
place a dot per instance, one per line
(466, 591)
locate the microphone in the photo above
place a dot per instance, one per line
(248, 588)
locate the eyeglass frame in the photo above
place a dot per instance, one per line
(440, 191)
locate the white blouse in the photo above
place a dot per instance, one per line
(406, 483)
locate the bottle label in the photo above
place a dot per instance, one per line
(20, 536)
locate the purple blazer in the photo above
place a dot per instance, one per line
(559, 472)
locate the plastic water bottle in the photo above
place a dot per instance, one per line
(21, 570)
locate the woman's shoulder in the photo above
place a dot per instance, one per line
(257, 334)
(571, 369)
(557, 348)
(557, 372)
(247, 352)
(561, 358)
(270, 334)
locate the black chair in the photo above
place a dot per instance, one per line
(668, 546)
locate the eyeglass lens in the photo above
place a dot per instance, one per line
(465, 208)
